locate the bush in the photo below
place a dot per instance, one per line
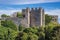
(7, 33)
(9, 24)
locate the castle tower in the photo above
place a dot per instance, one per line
(33, 17)
(26, 17)
(37, 17)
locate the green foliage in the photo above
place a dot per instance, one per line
(47, 19)
(31, 29)
(32, 36)
(19, 14)
(25, 36)
(21, 28)
(41, 36)
(9, 23)
(7, 33)
(18, 37)
(50, 31)
(56, 33)
(4, 15)
(41, 33)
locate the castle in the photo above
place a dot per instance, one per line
(31, 17)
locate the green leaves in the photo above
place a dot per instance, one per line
(32, 33)
(4, 15)
(51, 31)
(47, 19)
(33, 30)
(19, 15)
(7, 33)
(9, 24)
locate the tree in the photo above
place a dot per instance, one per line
(4, 15)
(55, 33)
(31, 29)
(41, 36)
(28, 34)
(47, 19)
(21, 28)
(32, 36)
(49, 32)
(9, 24)
(41, 33)
(7, 33)
(19, 36)
(25, 36)
(19, 14)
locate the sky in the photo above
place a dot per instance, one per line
(51, 7)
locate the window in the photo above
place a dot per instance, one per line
(23, 15)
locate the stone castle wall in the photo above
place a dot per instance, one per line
(33, 17)
(54, 18)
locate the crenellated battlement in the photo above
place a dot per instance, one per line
(36, 9)
(33, 9)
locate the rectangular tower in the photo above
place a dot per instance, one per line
(37, 17)
(26, 17)
(33, 17)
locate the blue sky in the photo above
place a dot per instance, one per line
(51, 7)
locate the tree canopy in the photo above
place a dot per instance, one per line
(19, 14)
(4, 15)
(47, 19)
(51, 31)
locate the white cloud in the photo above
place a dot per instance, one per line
(25, 1)
(54, 12)
(8, 12)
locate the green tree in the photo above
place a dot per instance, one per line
(7, 33)
(41, 33)
(9, 24)
(4, 15)
(31, 29)
(55, 33)
(19, 36)
(47, 19)
(25, 36)
(21, 28)
(19, 14)
(48, 30)
(32, 36)
(41, 36)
